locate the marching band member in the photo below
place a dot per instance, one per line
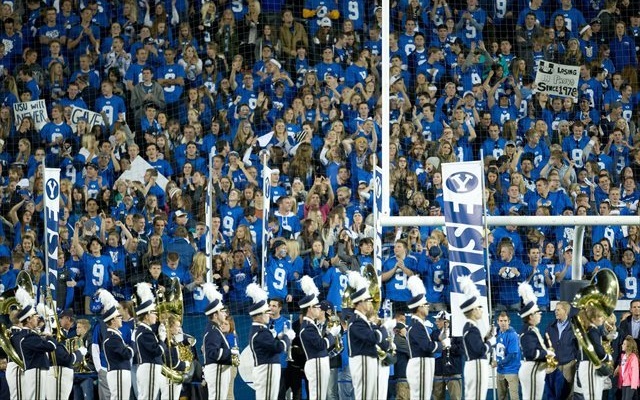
(590, 380)
(217, 351)
(116, 352)
(169, 389)
(532, 372)
(421, 364)
(14, 373)
(266, 346)
(61, 371)
(363, 335)
(148, 354)
(477, 348)
(315, 346)
(33, 349)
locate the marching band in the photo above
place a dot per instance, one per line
(44, 355)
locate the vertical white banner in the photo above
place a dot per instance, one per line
(209, 216)
(266, 209)
(51, 217)
(377, 209)
(463, 184)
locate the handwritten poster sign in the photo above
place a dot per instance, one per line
(557, 79)
(93, 118)
(36, 109)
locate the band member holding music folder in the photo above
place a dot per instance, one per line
(266, 346)
(148, 351)
(217, 351)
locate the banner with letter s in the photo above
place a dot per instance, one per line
(463, 209)
(557, 79)
(51, 217)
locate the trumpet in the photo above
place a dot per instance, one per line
(285, 330)
(552, 361)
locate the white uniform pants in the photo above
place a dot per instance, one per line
(119, 381)
(420, 371)
(589, 383)
(58, 383)
(34, 384)
(168, 390)
(531, 375)
(149, 379)
(217, 377)
(476, 379)
(317, 372)
(383, 381)
(14, 380)
(364, 375)
(266, 381)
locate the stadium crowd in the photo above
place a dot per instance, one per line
(177, 83)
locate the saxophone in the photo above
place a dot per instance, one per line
(235, 358)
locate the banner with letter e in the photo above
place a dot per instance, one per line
(36, 109)
(51, 217)
(557, 79)
(463, 209)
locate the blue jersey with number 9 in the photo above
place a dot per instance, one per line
(97, 272)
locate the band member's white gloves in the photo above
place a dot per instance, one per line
(235, 352)
(291, 334)
(335, 330)
(162, 333)
(83, 351)
(446, 343)
(492, 341)
(551, 353)
(390, 324)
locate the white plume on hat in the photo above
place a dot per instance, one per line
(357, 281)
(211, 291)
(416, 286)
(468, 287)
(256, 293)
(309, 286)
(107, 299)
(526, 292)
(24, 298)
(144, 292)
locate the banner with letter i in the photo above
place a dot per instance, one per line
(51, 217)
(463, 209)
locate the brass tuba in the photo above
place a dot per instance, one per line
(8, 303)
(369, 272)
(601, 295)
(167, 303)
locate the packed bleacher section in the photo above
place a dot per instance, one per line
(179, 82)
